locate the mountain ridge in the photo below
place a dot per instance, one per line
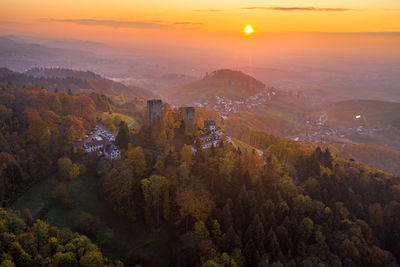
(64, 79)
(232, 84)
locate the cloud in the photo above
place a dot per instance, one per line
(208, 10)
(311, 8)
(111, 23)
(125, 24)
(13, 23)
(187, 23)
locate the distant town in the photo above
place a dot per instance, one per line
(226, 106)
(324, 133)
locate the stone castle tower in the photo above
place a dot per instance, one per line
(154, 110)
(189, 119)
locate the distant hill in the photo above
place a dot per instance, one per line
(367, 121)
(156, 83)
(372, 113)
(170, 80)
(234, 85)
(378, 156)
(63, 43)
(62, 73)
(244, 102)
(65, 79)
(19, 55)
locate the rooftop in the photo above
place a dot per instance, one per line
(208, 123)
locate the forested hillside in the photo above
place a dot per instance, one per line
(292, 206)
(37, 129)
(26, 242)
(64, 80)
(223, 206)
(381, 157)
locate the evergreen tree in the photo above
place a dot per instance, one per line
(56, 105)
(123, 136)
(216, 233)
(227, 215)
(230, 238)
(273, 247)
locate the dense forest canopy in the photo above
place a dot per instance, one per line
(224, 206)
(38, 128)
(25, 242)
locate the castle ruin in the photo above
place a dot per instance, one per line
(154, 110)
(189, 119)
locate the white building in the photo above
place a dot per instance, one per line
(94, 145)
(212, 139)
(209, 124)
(102, 145)
(111, 151)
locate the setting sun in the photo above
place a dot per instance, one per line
(249, 29)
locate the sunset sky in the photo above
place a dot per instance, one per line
(99, 17)
(212, 30)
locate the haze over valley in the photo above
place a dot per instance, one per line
(328, 66)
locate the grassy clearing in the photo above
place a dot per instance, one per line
(108, 119)
(237, 144)
(135, 125)
(127, 236)
(241, 145)
(123, 117)
(245, 147)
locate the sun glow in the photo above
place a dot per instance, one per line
(248, 30)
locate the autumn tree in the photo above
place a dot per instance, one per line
(153, 189)
(136, 160)
(186, 154)
(195, 205)
(67, 169)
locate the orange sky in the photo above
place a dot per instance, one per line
(125, 20)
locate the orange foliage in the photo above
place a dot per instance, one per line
(75, 123)
(36, 124)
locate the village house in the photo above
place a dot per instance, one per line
(94, 145)
(111, 151)
(212, 137)
(102, 143)
(209, 141)
(209, 124)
